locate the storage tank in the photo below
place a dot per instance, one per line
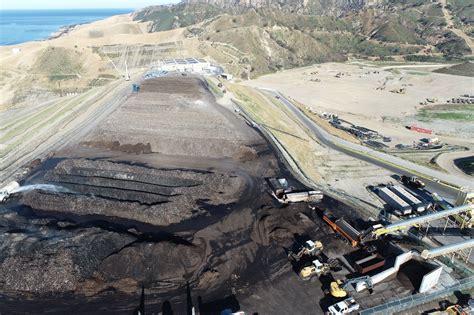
(7, 190)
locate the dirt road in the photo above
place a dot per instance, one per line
(449, 21)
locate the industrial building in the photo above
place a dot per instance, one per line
(416, 204)
(190, 65)
(394, 201)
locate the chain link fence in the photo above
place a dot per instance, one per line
(419, 299)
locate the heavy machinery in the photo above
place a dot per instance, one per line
(343, 227)
(346, 230)
(450, 310)
(339, 288)
(412, 181)
(316, 268)
(309, 248)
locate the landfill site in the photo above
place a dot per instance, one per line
(175, 203)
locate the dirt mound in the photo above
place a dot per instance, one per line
(176, 115)
(155, 196)
(138, 148)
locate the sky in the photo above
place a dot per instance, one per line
(78, 4)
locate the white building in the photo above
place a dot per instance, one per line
(195, 65)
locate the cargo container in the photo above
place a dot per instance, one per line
(394, 201)
(422, 130)
(414, 202)
(369, 263)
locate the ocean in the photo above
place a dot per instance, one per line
(18, 26)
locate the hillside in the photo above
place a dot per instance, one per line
(262, 39)
(463, 69)
(258, 37)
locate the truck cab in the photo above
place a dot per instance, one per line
(347, 306)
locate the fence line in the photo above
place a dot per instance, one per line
(419, 299)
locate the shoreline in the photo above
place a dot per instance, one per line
(63, 29)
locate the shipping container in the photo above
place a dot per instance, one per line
(369, 263)
(422, 130)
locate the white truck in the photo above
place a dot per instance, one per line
(7, 190)
(347, 306)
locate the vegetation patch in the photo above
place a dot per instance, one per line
(464, 69)
(445, 112)
(59, 64)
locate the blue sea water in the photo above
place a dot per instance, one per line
(18, 26)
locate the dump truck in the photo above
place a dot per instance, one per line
(347, 306)
(309, 248)
(369, 263)
(343, 227)
(316, 268)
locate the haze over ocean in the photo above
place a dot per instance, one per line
(19, 26)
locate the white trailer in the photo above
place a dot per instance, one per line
(394, 201)
(401, 192)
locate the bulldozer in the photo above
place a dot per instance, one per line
(316, 268)
(339, 288)
(310, 248)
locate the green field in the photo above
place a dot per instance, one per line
(446, 112)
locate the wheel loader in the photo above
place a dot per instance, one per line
(310, 248)
(316, 268)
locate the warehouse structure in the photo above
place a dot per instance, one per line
(190, 65)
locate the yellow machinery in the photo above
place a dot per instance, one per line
(310, 248)
(455, 310)
(338, 288)
(315, 269)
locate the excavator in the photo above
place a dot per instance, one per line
(309, 248)
(339, 288)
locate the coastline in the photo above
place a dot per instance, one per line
(67, 21)
(63, 30)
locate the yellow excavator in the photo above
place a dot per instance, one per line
(338, 288)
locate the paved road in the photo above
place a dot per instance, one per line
(389, 162)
